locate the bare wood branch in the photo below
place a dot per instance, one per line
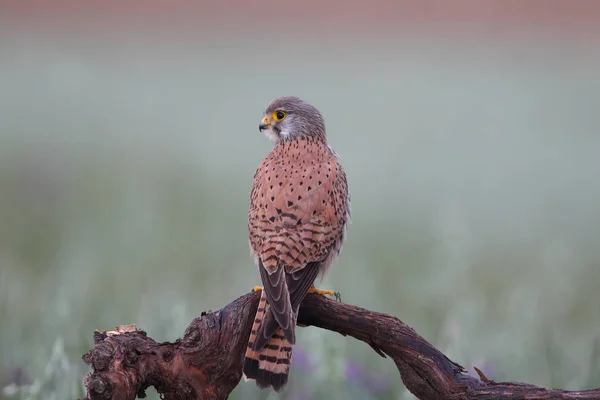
(207, 362)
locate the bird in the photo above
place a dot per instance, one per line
(299, 208)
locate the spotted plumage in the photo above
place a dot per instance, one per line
(299, 207)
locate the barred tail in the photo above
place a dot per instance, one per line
(269, 365)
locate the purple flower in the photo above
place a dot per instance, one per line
(354, 372)
(373, 383)
(301, 359)
(379, 384)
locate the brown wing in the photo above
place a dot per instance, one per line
(299, 205)
(297, 216)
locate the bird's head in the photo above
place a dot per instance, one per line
(289, 118)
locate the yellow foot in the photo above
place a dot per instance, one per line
(257, 289)
(313, 289)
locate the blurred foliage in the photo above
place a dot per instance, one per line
(126, 166)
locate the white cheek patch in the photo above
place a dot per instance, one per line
(284, 134)
(271, 134)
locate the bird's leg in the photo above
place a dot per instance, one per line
(257, 289)
(313, 289)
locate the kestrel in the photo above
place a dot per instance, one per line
(299, 207)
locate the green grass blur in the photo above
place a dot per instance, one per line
(126, 166)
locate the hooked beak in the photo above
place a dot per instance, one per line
(264, 124)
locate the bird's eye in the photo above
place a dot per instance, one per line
(279, 115)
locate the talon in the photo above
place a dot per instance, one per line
(257, 289)
(313, 289)
(338, 296)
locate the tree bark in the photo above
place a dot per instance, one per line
(207, 362)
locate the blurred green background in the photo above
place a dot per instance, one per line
(126, 162)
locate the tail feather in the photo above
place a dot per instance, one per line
(269, 365)
(250, 368)
(267, 328)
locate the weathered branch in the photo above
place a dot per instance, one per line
(207, 362)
